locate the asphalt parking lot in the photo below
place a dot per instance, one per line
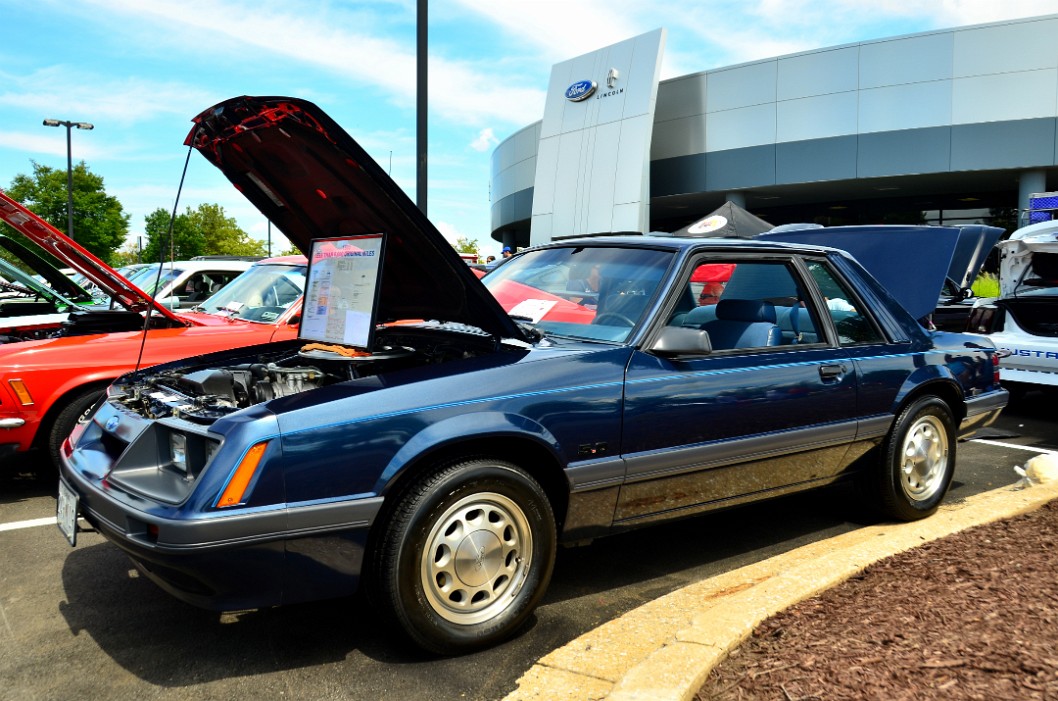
(80, 622)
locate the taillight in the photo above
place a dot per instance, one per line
(995, 369)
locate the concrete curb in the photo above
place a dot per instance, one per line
(666, 648)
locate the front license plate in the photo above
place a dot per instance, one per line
(66, 513)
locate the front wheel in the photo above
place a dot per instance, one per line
(466, 555)
(75, 412)
(918, 461)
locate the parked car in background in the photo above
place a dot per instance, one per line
(183, 284)
(36, 297)
(440, 465)
(47, 384)
(1023, 320)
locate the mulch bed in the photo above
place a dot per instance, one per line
(970, 616)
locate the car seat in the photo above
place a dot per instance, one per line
(743, 323)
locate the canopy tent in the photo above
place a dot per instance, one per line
(727, 221)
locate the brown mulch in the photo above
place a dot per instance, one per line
(970, 616)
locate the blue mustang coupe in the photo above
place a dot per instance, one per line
(436, 436)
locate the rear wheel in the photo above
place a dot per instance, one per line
(466, 555)
(918, 461)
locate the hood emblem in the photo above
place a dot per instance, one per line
(112, 423)
(581, 90)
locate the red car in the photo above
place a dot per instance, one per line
(46, 385)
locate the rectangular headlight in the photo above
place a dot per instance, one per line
(178, 451)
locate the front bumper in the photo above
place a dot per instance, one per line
(226, 561)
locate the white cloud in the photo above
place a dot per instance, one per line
(63, 92)
(486, 140)
(449, 231)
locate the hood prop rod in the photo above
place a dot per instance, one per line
(161, 260)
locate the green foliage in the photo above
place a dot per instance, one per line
(99, 221)
(197, 232)
(222, 234)
(466, 245)
(187, 240)
(986, 285)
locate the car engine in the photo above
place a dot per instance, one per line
(204, 393)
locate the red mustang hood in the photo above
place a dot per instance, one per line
(310, 178)
(72, 254)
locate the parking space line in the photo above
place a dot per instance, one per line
(32, 523)
(1001, 444)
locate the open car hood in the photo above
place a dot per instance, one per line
(1029, 258)
(56, 279)
(911, 262)
(72, 254)
(975, 243)
(313, 180)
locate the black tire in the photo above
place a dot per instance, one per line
(465, 556)
(74, 412)
(918, 461)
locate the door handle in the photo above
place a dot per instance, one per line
(829, 372)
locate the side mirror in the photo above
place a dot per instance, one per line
(677, 341)
(966, 293)
(294, 320)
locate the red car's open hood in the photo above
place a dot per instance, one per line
(72, 254)
(313, 180)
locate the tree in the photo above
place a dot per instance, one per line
(466, 245)
(187, 239)
(99, 221)
(222, 234)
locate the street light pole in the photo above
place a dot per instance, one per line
(69, 165)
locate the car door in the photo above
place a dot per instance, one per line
(762, 412)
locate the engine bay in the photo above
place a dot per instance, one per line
(203, 393)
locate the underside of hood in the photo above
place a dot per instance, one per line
(314, 181)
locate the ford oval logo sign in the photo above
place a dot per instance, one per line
(581, 90)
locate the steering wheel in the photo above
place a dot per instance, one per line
(625, 321)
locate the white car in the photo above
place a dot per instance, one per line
(184, 284)
(1023, 320)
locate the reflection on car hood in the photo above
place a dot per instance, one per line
(72, 254)
(313, 180)
(1016, 258)
(911, 262)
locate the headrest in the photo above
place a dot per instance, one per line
(750, 310)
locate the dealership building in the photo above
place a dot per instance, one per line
(951, 126)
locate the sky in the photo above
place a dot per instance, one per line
(140, 70)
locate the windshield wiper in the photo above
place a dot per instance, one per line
(528, 326)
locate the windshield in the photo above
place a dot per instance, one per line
(147, 278)
(260, 294)
(591, 292)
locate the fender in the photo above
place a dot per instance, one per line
(926, 376)
(467, 427)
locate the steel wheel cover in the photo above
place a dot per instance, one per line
(476, 557)
(924, 459)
